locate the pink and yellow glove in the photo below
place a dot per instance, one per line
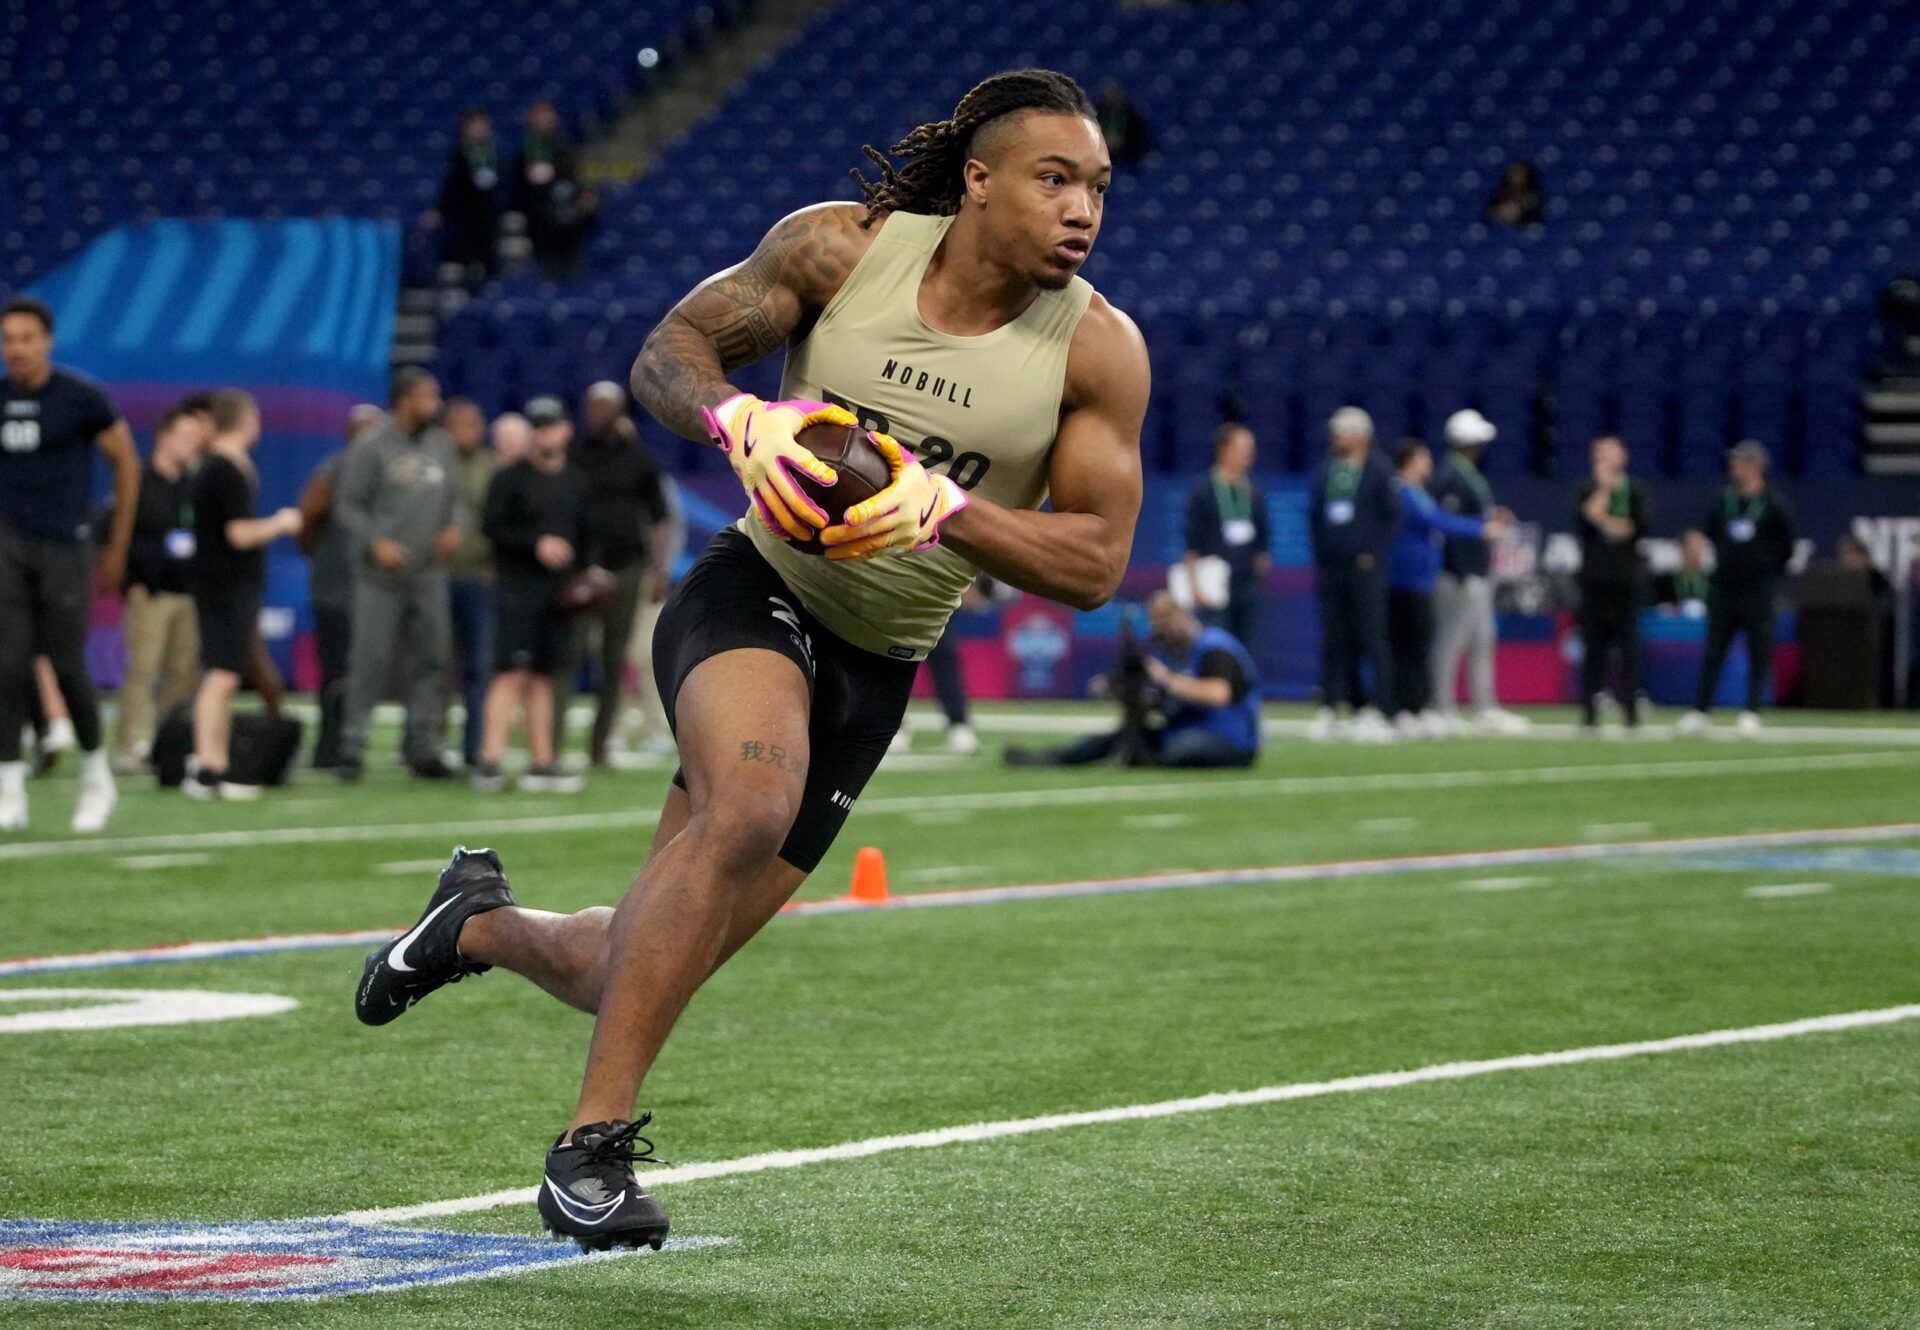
(900, 519)
(758, 439)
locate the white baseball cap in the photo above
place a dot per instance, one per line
(1469, 427)
(1350, 420)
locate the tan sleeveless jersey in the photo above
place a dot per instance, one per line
(983, 410)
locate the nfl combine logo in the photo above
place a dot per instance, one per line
(56, 1261)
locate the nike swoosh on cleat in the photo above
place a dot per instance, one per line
(397, 958)
(579, 1211)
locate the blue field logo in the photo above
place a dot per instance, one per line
(63, 1261)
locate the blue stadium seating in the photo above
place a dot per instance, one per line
(1730, 184)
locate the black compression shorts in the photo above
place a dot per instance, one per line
(227, 616)
(732, 598)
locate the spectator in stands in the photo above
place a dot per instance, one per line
(1227, 519)
(1199, 682)
(511, 436)
(1685, 587)
(1609, 517)
(1412, 566)
(229, 583)
(52, 421)
(1125, 129)
(399, 499)
(161, 634)
(626, 519)
(1519, 199)
(535, 517)
(1465, 627)
(547, 192)
(1352, 515)
(469, 207)
(330, 565)
(470, 571)
(1752, 530)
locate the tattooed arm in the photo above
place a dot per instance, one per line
(739, 315)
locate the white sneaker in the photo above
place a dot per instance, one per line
(238, 793)
(1692, 725)
(60, 736)
(1748, 725)
(900, 743)
(961, 740)
(13, 796)
(1320, 729)
(98, 794)
(1498, 720)
(1409, 726)
(1370, 727)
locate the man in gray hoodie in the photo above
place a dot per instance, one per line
(398, 502)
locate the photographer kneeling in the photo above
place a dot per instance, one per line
(1202, 711)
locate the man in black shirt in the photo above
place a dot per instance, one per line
(1227, 520)
(1610, 517)
(229, 582)
(1752, 531)
(1353, 516)
(535, 520)
(51, 420)
(625, 524)
(161, 634)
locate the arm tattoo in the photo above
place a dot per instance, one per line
(741, 315)
(753, 750)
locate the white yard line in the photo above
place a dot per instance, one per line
(975, 1132)
(1501, 883)
(1039, 801)
(144, 862)
(1181, 879)
(402, 867)
(1773, 889)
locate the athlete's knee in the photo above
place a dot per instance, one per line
(745, 832)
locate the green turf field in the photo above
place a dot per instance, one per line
(1764, 1183)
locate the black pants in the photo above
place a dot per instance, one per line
(1410, 631)
(46, 591)
(1183, 748)
(332, 636)
(1743, 611)
(1353, 631)
(1609, 623)
(943, 663)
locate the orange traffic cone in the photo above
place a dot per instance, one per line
(869, 877)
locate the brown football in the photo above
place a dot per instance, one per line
(862, 470)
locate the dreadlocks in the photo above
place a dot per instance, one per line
(936, 153)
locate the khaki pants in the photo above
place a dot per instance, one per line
(163, 662)
(652, 716)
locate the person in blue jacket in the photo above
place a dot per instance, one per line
(1206, 693)
(1352, 516)
(1413, 564)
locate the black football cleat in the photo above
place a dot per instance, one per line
(428, 955)
(589, 1193)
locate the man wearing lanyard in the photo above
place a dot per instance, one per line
(1227, 520)
(1609, 517)
(1465, 627)
(1751, 528)
(1353, 517)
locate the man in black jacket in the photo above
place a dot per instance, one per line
(1610, 517)
(1353, 516)
(534, 518)
(1752, 531)
(624, 528)
(158, 626)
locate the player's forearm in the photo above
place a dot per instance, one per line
(126, 501)
(678, 372)
(1077, 559)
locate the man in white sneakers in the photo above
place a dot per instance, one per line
(51, 423)
(1465, 628)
